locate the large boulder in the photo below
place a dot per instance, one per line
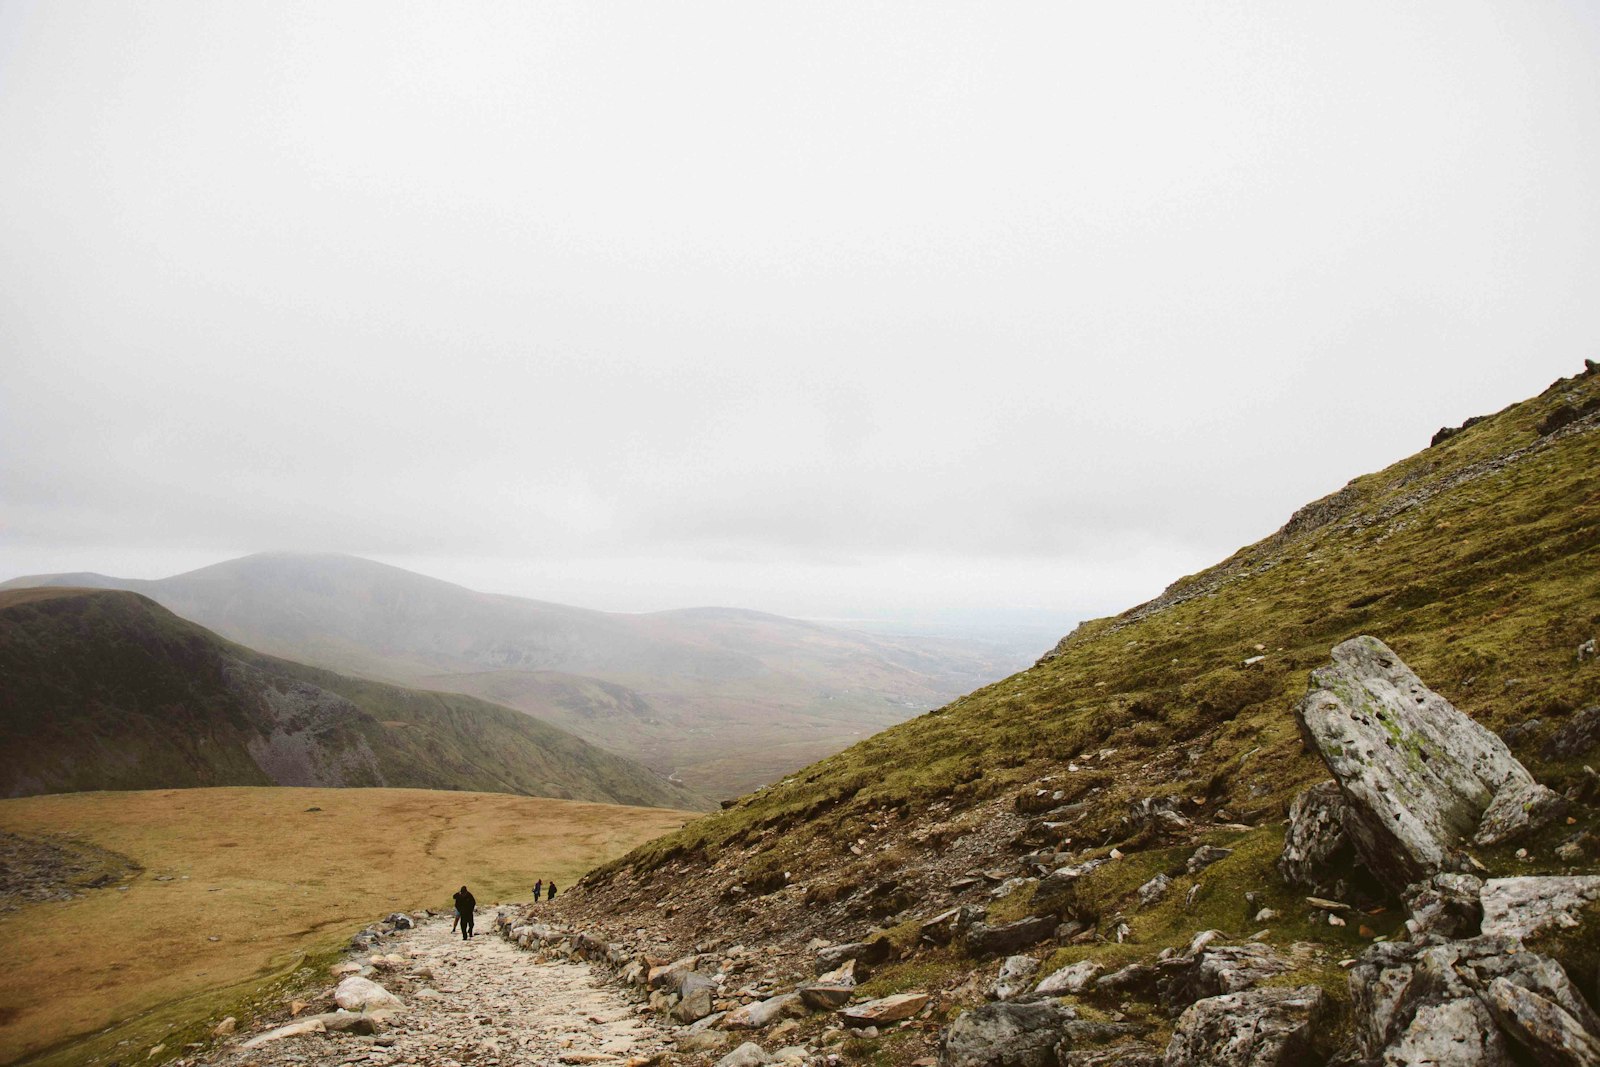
(1258, 1028)
(1418, 775)
(1008, 1034)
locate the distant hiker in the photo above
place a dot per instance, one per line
(465, 906)
(552, 895)
(538, 890)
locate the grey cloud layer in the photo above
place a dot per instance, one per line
(1054, 291)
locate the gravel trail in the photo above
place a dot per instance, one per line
(482, 1002)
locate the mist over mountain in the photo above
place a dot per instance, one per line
(722, 698)
(105, 689)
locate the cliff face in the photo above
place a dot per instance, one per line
(1130, 791)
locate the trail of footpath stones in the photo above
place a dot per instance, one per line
(481, 1002)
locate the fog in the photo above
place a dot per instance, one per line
(843, 310)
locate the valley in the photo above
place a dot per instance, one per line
(723, 700)
(225, 888)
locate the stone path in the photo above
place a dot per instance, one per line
(482, 1002)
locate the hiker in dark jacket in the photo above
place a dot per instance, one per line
(538, 890)
(465, 906)
(552, 890)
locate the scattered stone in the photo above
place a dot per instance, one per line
(1204, 857)
(1154, 891)
(1447, 905)
(884, 1010)
(294, 1029)
(763, 1013)
(748, 1054)
(1519, 809)
(225, 1027)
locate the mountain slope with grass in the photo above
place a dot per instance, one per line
(1144, 738)
(108, 690)
(724, 699)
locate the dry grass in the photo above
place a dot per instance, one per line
(268, 878)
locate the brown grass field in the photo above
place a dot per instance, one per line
(271, 881)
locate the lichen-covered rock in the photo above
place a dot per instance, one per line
(1218, 970)
(1073, 978)
(1016, 974)
(748, 1054)
(1007, 1035)
(1258, 1028)
(890, 1009)
(1554, 1035)
(1205, 856)
(1447, 905)
(1418, 775)
(1519, 809)
(1523, 907)
(1317, 853)
(1432, 1003)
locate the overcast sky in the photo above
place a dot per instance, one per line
(824, 309)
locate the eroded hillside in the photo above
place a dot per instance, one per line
(1146, 739)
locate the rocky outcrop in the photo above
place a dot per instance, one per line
(986, 940)
(1219, 969)
(1259, 1028)
(1073, 978)
(1417, 774)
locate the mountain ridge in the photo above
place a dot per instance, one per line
(107, 689)
(736, 697)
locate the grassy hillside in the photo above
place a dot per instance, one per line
(108, 690)
(1477, 560)
(229, 886)
(725, 699)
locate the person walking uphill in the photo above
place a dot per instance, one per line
(466, 904)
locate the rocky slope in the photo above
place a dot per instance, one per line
(726, 699)
(1214, 829)
(108, 690)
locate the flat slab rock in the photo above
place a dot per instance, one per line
(1418, 774)
(884, 1010)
